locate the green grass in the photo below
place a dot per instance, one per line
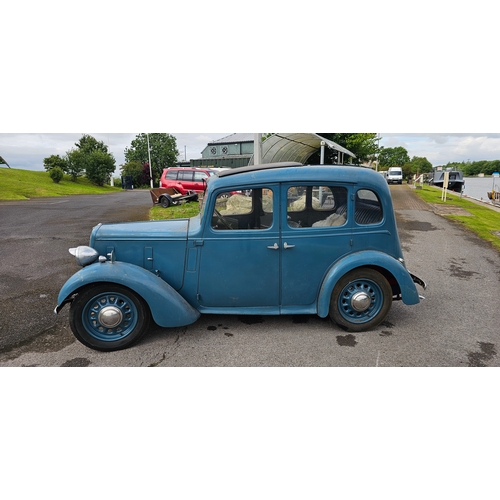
(484, 222)
(183, 211)
(18, 184)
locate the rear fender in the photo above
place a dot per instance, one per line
(371, 259)
(168, 307)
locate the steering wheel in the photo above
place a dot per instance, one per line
(220, 218)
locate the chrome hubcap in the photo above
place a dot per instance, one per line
(361, 301)
(110, 316)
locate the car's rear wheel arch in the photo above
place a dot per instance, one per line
(361, 299)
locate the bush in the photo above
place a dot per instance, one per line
(56, 174)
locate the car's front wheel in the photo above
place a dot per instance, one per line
(360, 300)
(108, 317)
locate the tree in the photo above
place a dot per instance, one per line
(137, 171)
(163, 150)
(393, 157)
(55, 161)
(88, 144)
(92, 158)
(75, 161)
(99, 166)
(364, 146)
(420, 165)
(56, 174)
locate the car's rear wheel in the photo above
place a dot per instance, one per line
(360, 300)
(108, 317)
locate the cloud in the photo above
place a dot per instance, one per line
(441, 148)
(27, 151)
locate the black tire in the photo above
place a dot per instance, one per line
(165, 201)
(360, 300)
(108, 317)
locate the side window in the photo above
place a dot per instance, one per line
(199, 176)
(316, 206)
(171, 174)
(185, 175)
(244, 209)
(368, 207)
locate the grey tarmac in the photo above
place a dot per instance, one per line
(455, 325)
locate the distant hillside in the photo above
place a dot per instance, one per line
(16, 184)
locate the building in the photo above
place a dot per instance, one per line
(232, 151)
(237, 150)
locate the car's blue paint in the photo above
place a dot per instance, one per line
(184, 267)
(168, 308)
(143, 244)
(375, 260)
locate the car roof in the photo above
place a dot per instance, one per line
(255, 168)
(197, 169)
(296, 172)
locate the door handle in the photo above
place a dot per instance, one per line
(286, 246)
(274, 247)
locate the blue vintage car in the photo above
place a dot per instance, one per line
(270, 239)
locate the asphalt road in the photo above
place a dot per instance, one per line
(34, 239)
(456, 325)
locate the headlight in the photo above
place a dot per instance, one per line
(84, 255)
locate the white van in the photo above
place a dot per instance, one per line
(395, 175)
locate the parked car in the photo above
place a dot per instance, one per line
(185, 179)
(306, 240)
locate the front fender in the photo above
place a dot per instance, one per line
(168, 307)
(370, 258)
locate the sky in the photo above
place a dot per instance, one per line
(27, 150)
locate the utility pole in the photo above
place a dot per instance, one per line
(149, 159)
(257, 149)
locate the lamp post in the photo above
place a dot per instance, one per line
(149, 159)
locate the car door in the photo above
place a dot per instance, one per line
(199, 181)
(185, 177)
(240, 251)
(316, 231)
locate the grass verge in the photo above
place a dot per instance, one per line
(16, 184)
(183, 211)
(483, 221)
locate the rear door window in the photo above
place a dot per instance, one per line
(316, 206)
(185, 175)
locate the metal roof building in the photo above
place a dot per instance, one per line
(298, 147)
(237, 150)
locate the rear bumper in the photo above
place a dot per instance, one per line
(418, 281)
